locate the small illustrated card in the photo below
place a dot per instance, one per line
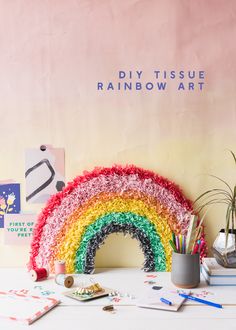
(165, 299)
(44, 173)
(9, 200)
(19, 228)
(24, 308)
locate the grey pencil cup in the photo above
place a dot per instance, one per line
(185, 272)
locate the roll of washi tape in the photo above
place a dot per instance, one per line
(64, 280)
(38, 274)
(60, 267)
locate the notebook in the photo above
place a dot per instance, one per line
(214, 269)
(24, 308)
(152, 299)
(229, 280)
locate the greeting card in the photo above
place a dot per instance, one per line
(9, 200)
(18, 228)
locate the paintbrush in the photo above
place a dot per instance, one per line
(191, 234)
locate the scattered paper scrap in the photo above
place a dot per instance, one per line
(202, 294)
(149, 282)
(151, 276)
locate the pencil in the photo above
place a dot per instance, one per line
(173, 238)
(172, 245)
(183, 245)
(180, 244)
(177, 243)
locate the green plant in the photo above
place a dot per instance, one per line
(226, 195)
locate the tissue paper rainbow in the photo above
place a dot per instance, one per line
(125, 199)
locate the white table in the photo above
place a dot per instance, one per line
(71, 314)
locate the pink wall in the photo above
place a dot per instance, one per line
(53, 53)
